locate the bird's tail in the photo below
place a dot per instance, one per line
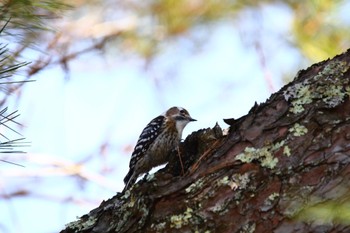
(129, 179)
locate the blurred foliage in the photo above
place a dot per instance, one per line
(319, 30)
(8, 67)
(328, 212)
(26, 24)
(22, 23)
(27, 17)
(144, 28)
(177, 17)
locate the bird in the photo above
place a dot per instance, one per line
(157, 140)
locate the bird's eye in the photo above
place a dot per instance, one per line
(182, 112)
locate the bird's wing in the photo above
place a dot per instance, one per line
(147, 137)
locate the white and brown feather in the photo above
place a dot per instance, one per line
(156, 141)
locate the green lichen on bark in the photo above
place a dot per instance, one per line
(81, 224)
(177, 221)
(328, 86)
(264, 155)
(298, 130)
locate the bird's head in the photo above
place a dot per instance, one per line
(180, 116)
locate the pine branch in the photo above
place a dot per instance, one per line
(8, 67)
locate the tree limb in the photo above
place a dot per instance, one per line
(285, 158)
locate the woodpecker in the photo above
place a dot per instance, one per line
(157, 140)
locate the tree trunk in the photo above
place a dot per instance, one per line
(284, 167)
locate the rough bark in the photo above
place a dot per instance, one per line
(271, 172)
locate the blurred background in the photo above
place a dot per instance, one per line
(86, 77)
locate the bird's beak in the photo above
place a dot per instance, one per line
(191, 119)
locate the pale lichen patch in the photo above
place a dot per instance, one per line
(126, 195)
(223, 181)
(177, 221)
(240, 181)
(195, 186)
(286, 151)
(218, 208)
(300, 94)
(82, 225)
(276, 146)
(263, 155)
(269, 202)
(248, 228)
(334, 95)
(327, 86)
(298, 130)
(159, 227)
(273, 196)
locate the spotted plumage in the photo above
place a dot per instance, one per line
(156, 141)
